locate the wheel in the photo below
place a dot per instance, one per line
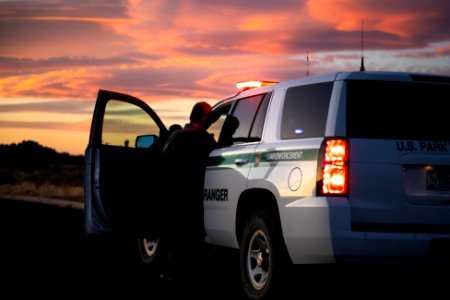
(151, 255)
(148, 250)
(262, 257)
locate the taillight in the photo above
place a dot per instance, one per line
(333, 167)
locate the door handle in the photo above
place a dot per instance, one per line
(241, 161)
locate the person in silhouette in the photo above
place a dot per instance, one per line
(229, 128)
(185, 157)
(173, 128)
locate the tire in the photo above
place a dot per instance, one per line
(151, 254)
(262, 257)
(148, 250)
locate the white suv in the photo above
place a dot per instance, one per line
(333, 168)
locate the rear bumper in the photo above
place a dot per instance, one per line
(319, 230)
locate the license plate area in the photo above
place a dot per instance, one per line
(438, 179)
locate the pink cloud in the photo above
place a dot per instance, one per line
(427, 53)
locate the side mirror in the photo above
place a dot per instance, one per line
(145, 141)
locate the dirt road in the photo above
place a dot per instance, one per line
(43, 252)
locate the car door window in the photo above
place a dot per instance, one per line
(258, 124)
(305, 111)
(124, 122)
(221, 114)
(245, 113)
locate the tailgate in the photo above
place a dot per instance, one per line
(391, 185)
(399, 159)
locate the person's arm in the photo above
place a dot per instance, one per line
(211, 143)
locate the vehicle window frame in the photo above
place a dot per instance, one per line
(149, 123)
(245, 138)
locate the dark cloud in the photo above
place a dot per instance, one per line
(57, 106)
(68, 8)
(43, 38)
(48, 28)
(12, 65)
(73, 126)
(247, 7)
(215, 50)
(157, 81)
(326, 40)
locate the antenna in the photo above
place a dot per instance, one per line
(307, 63)
(362, 46)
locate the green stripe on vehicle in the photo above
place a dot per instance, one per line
(268, 156)
(229, 159)
(290, 155)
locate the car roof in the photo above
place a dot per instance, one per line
(338, 76)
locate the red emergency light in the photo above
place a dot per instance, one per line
(252, 84)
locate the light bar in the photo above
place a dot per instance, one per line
(252, 84)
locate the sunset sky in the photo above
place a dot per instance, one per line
(56, 54)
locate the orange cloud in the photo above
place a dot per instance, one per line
(54, 84)
(402, 18)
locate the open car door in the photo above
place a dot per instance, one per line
(122, 167)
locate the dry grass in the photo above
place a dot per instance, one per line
(45, 190)
(58, 182)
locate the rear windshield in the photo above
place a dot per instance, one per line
(398, 110)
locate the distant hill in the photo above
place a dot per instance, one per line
(30, 154)
(28, 168)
